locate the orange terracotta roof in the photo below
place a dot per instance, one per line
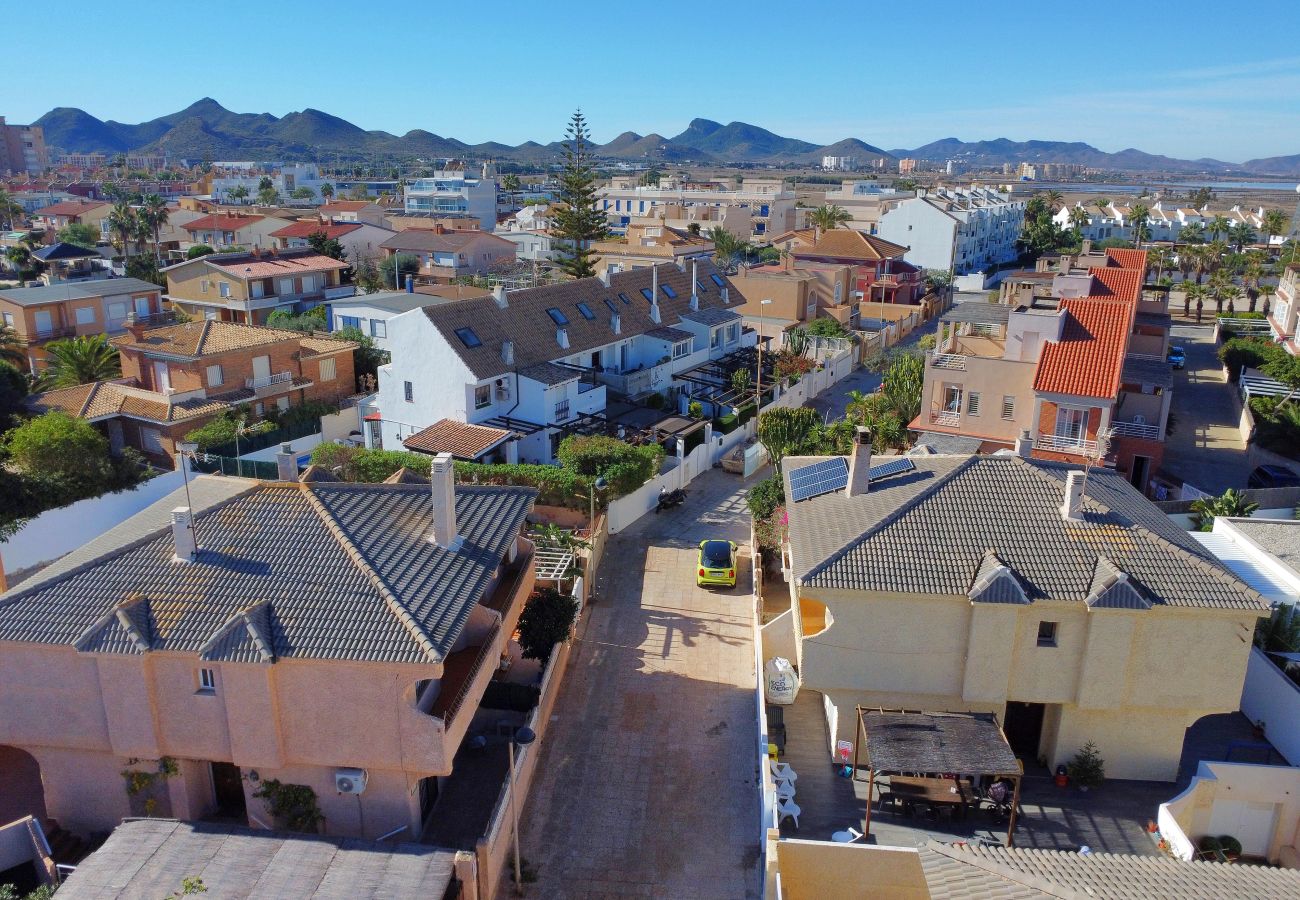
(221, 221)
(307, 227)
(845, 243)
(204, 338)
(70, 208)
(345, 206)
(1088, 359)
(1125, 284)
(113, 398)
(1126, 258)
(267, 266)
(463, 441)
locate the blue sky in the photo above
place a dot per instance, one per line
(1191, 79)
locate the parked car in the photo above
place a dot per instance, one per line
(1177, 357)
(1273, 476)
(717, 564)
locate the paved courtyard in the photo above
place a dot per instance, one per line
(647, 778)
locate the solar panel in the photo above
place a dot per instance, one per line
(819, 478)
(893, 467)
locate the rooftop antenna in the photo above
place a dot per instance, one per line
(1094, 458)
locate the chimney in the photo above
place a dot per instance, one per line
(860, 463)
(562, 338)
(695, 284)
(1086, 248)
(499, 295)
(654, 283)
(616, 323)
(183, 535)
(442, 479)
(726, 296)
(604, 277)
(136, 327)
(508, 352)
(1072, 506)
(438, 229)
(286, 464)
(1024, 444)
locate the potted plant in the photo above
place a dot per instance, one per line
(1231, 847)
(1087, 769)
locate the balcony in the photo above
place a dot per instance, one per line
(946, 417)
(342, 290)
(1137, 430)
(51, 334)
(461, 672)
(953, 361)
(276, 383)
(1063, 443)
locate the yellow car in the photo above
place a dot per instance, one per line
(717, 564)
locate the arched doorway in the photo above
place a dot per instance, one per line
(21, 791)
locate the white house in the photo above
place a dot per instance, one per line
(370, 312)
(285, 179)
(455, 189)
(546, 362)
(360, 240)
(960, 230)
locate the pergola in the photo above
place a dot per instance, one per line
(896, 742)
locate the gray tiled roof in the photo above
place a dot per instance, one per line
(322, 571)
(147, 857)
(969, 506)
(526, 322)
(977, 312)
(549, 373)
(77, 290)
(1021, 872)
(668, 333)
(1147, 371)
(711, 316)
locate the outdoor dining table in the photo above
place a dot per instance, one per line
(937, 792)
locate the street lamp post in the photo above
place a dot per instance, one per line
(187, 449)
(598, 485)
(523, 737)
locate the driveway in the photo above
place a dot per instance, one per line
(830, 405)
(1205, 449)
(646, 785)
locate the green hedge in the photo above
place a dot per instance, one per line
(1248, 353)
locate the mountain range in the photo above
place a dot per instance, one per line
(207, 129)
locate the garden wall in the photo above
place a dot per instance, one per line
(56, 532)
(1269, 696)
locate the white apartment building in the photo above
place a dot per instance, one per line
(536, 364)
(839, 163)
(286, 179)
(768, 204)
(456, 190)
(866, 201)
(1282, 309)
(962, 230)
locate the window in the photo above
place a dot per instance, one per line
(224, 288)
(482, 396)
(562, 410)
(625, 298)
(645, 292)
(668, 291)
(215, 376)
(378, 328)
(1047, 634)
(349, 322)
(715, 337)
(557, 316)
(9, 320)
(733, 333)
(203, 285)
(973, 403)
(408, 391)
(952, 398)
(85, 315)
(281, 403)
(468, 337)
(612, 306)
(699, 286)
(716, 279)
(586, 311)
(207, 681)
(681, 349)
(328, 369)
(1008, 407)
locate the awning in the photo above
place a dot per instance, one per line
(374, 417)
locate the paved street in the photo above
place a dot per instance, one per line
(1205, 448)
(646, 785)
(830, 405)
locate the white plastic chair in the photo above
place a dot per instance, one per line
(788, 809)
(848, 836)
(782, 772)
(785, 790)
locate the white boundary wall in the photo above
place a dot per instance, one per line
(59, 531)
(1270, 697)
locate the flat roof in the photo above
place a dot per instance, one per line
(978, 313)
(77, 290)
(149, 857)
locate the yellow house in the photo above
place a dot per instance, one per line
(1065, 604)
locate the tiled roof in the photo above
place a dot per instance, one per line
(307, 227)
(346, 572)
(668, 333)
(272, 266)
(110, 398)
(78, 290)
(222, 222)
(847, 243)
(345, 206)
(714, 316)
(1126, 258)
(318, 345)
(1009, 507)
(461, 440)
(240, 863)
(1123, 284)
(974, 871)
(70, 208)
(427, 240)
(526, 322)
(208, 337)
(549, 373)
(1089, 357)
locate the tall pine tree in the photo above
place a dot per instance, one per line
(577, 220)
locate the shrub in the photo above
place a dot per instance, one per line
(1231, 846)
(695, 409)
(655, 401)
(198, 250)
(1248, 353)
(624, 466)
(765, 497)
(1087, 769)
(745, 413)
(546, 620)
(726, 424)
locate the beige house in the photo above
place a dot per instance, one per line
(226, 229)
(337, 637)
(248, 287)
(649, 244)
(1005, 584)
(798, 295)
(39, 315)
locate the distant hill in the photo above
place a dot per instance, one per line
(206, 128)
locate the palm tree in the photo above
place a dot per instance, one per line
(327, 191)
(13, 349)
(1250, 278)
(268, 196)
(1055, 200)
(239, 193)
(153, 213)
(81, 360)
(727, 248)
(828, 218)
(1215, 251)
(1079, 217)
(1192, 234)
(1230, 293)
(1159, 258)
(1275, 223)
(9, 209)
(1231, 504)
(121, 219)
(1217, 226)
(1141, 230)
(1241, 234)
(511, 185)
(1194, 292)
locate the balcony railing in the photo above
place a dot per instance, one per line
(266, 381)
(1137, 430)
(947, 360)
(1063, 443)
(946, 417)
(467, 675)
(342, 290)
(52, 334)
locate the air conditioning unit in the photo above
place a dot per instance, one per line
(350, 781)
